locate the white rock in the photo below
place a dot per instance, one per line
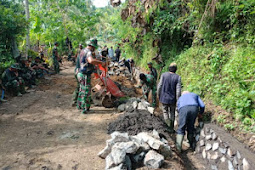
(208, 146)
(128, 147)
(109, 162)
(223, 159)
(208, 156)
(153, 160)
(223, 150)
(214, 136)
(140, 106)
(135, 104)
(219, 139)
(155, 134)
(120, 137)
(230, 153)
(246, 165)
(118, 155)
(145, 103)
(214, 167)
(122, 107)
(235, 162)
(143, 145)
(208, 137)
(215, 156)
(202, 143)
(202, 133)
(230, 165)
(106, 151)
(215, 146)
(204, 153)
(152, 142)
(238, 155)
(151, 109)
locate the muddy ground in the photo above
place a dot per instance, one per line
(40, 130)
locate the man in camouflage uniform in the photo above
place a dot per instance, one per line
(12, 82)
(76, 71)
(38, 67)
(148, 83)
(27, 74)
(84, 76)
(55, 58)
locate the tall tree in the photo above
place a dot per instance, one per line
(28, 31)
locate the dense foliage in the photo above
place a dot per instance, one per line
(211, 41)
(12, 24)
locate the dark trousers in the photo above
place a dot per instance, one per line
(187, 118)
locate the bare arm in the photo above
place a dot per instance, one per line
(159, 86)
(93, 61)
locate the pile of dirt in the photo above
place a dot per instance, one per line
(138, 121)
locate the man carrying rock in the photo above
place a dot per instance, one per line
(12, 82)
(153, 71)
(148, 83)
(84, 76)
(169, 90)
(189, 105)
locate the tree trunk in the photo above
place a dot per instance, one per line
(28, 32)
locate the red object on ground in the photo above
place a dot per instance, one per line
(111, 86)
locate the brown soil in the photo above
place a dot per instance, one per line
(40, 130)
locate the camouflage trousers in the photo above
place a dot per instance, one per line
(84, 96)
(76, 91)
(16, 87)
(146, 91)
(56, 65)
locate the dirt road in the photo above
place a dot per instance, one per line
(40, 130)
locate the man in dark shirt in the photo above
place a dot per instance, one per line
(153, 71)
(169, 90)
(118, 53)
(189, 105)
(12, 82)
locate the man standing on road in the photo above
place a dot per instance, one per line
(153, 71)
(55, 58)
(148, 83)
(117, 54)
(189, 105)
(76, 71)
(84, 76)
(169, 90)
(111, 53)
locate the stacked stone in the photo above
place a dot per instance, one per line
(136, 104)
(124, 152)
(218, 153)
(119, 70)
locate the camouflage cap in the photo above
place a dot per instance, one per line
(92, 42)
(15, 66)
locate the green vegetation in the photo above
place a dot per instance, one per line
(211, 41)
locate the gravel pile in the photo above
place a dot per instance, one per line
(138, 121)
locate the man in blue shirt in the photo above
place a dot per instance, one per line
(189, 105)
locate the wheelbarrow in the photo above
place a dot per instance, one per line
(106, 91)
